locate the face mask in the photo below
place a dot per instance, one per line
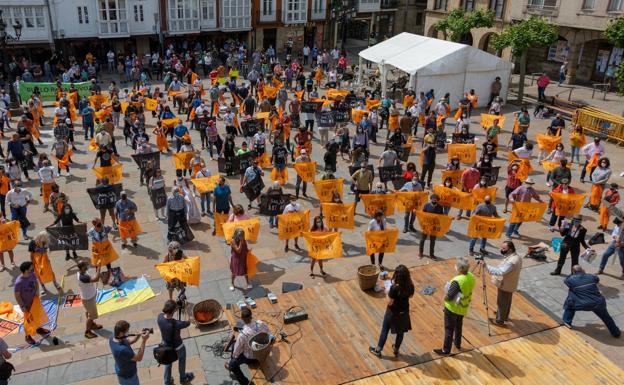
(576, 222)
(455, 162)
(504, 252)
(67, 211)
(448, 184)
(487, 202)
(176, 193)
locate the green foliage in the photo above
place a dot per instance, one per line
(619, 80)
(525, 34)
(615, 32)
(458, 23)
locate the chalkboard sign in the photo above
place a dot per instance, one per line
(229, 166)
(403, 153)
(353, 169)
(105, 197)
(342, 116)
(158, 198)
(491, 173)
(254, 188)
(351, 100)
(398, 183)
(326, 119)
(311, 107)
(182, 234)
(389, 173)
(251, 126)
(142, 159)
(68, 237)
(244, 161)
(273, 204)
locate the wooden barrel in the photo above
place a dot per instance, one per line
(367, 276)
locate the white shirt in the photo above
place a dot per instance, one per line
(61, 112)
(616, 232)
(18, 198)
(440, 109)
(292, 207)
(260, 139)
(203, 173)
(87, 290)
(47, 174)
(373, 225)
(523, 152)
(111, 56)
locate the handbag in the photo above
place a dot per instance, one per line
(165, 354)
(596, 239)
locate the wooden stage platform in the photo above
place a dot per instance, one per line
(331, 347)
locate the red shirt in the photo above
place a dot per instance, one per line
(512, 180)
(469, 179)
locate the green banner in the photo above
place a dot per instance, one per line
(48, 90)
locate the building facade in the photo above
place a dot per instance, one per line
(478, 37)
(581, 40)
(36, 34)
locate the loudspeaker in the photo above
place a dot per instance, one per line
(287, 287)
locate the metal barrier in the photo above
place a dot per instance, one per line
(603, 87)
(600, 122)
(568, 89)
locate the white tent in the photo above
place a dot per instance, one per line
(440, 65)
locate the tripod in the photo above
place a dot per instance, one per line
(181, 303)
(479, 270)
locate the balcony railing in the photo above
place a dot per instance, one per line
(389, 4)
(542, 9)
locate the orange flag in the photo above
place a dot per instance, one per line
(323, 245)
(487, 120)
(333, 93)
(408, 100)
(375, 202)
(593, 162)
(35, 317)
(467, 153)
(113, 173)
(306, 170)
(204, 185)
(93, 145)
(410, 200)
(220, 219)
(527, 211)
(64, 161)
(9, 235)
(372, 103)
(454, 174)
(151, 104)
(357, 115)
(381, 241)
(279, 176)
(549, 166)
(104, 252)
(270, 92)
(454, 198)
(338, 215)
(252, 264)
(43, 268)
(251, 227)
(299, 94)
(325, 189)
(169, 123)
(46, 190)
(291, 225)
(485, 227)
(186, 270)
(182, 160)
(162, 143)
(480, 193)
(568, 205)
(436, 225)
(547, 142)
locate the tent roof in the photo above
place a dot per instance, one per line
(428, 56)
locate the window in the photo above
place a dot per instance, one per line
(589, 4)
(296, 11)
(318, 6)
(267, 7)
(468, 5)
(440, 4)
(83, 15)
(138, 13)
(113, 17)
(236, 14)
(184, 15)
(542, 3)
(208, 9)
(498, 6)
(616, 5)
(29, 17)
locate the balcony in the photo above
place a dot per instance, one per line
(113, 28)
(183, 25)
(389, 4)
(368, 5)
(548, 8)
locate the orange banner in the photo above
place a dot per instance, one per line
(43, 268)
(129, 229)
(306, 170)
(333, 93)
(96, 101)
(104, 252)
(325, 189)
(35, 317)
(549, 166)
(220, 219)
(454, 198)
(252, 264)
(480, 193)
(593, 162)
(568, 205)
(410, 200)
(251, 227)
(279, 176)
(381, 241)
(487, 120)
(169, 123)
(376, 202)
(339, 215)
(186, 270)
(547, 142)
(113, 173)
(204, 185)
(485, 227)
(323, 245)
(527, 211)
(46, 190)
(9, 235)
(357, 115)
(436, 225)
(454, 174)
(270, 92)
(161, 142)
(372, 103)
(291, 225)
(64, 161)
(264, 161)
(182, 160)
(467, 153)
(151, 104)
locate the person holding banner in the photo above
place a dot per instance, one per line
(592, 151)
(599, 178)
(38, 249)
(174, 253)
(523, 193)
(125, 210)
(363, 180)
(434, 208)
(6, 249)
(378, 223)
(292, 207)
(238, 257)
(204, 197)
(319, 226)
(485, 209)
(410, 216)
(573, 234)
(563, 188)
(67, 217)
(469, 179)
(106, 156)
(26, 290)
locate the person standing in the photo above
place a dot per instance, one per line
(170, 332)
(176, 212)
(505, 277)
(26, 288)
(18, 200)
(469, 179)
(613, 247)
(590, 150)
(434, 208)
(125, 358)
(205, 197)
(599, 178)
(317, 226)
(378, 223)
(88, 291)
(564, 188)
(542, 82)
(396, 318)
(222, 200)
(302, 158)
(238, 259)
(562, 72)
(612, 197)
(363, 180)
(584, 295)
(125, 210)
(573, 234)
(67, 217)
(292, 207)
(456, 301)
(4, 355)
(410, 215)
(485, 209)
(523, 193)
(495, 89)
(428, 156)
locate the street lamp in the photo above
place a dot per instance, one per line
(4, 38)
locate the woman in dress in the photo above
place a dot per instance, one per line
(193, 214)
(238, 258)
(318, 225)
(396, 319)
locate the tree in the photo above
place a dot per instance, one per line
(523, 35)
(458, 23)
(615, 34)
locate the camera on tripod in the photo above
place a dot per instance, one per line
(181, 300)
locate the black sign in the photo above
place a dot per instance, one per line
(342, 116)
(229, 166)
(384, 113)
(273, 204)
(251, 126)
(353, 169)
(142, 159)
(351, 100)
(182, 234)
(158, 198)
(389, 173)
(491, 173)
(326, 119)
(105, 197)
(311, 107)
(245, 161)
(254, 188)
(398, 183)
(68, 237)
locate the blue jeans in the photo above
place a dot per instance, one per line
(17, 213)
(602, 313)
(576, 151)
(129, 381)
(473, 241)
(385, 328)
(468, 213)
(540, 93)
(235, 364)
(88, 128)
(205, 202)
(611, 249)
(513, 227)
(181, 367)
(273, 220)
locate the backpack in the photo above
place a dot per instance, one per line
(165, 354)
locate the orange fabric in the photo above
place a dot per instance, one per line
(4, 185)
(64, 161)
(372, 103)
(458, 114)
(161, 142)
(604, 216)
(104, 252)
(279, 176)
(596, 195)
(43, 268)
(129, 229)
(46, 190)
(408, 100)
(35, 317)
(593, 163)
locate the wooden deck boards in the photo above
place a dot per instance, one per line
(344, 321)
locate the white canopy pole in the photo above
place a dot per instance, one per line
(382, 68)
(412, 82)
(360, 70)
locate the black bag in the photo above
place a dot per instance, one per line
(165, 354)
(596, 239)
(6, 370)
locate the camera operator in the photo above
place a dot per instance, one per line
(170, 332)
(125, 357)
(174, 253)
(505, 277)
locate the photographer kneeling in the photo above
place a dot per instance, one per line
(125, 357)
(170, 332)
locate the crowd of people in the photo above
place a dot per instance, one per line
(253, 109)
